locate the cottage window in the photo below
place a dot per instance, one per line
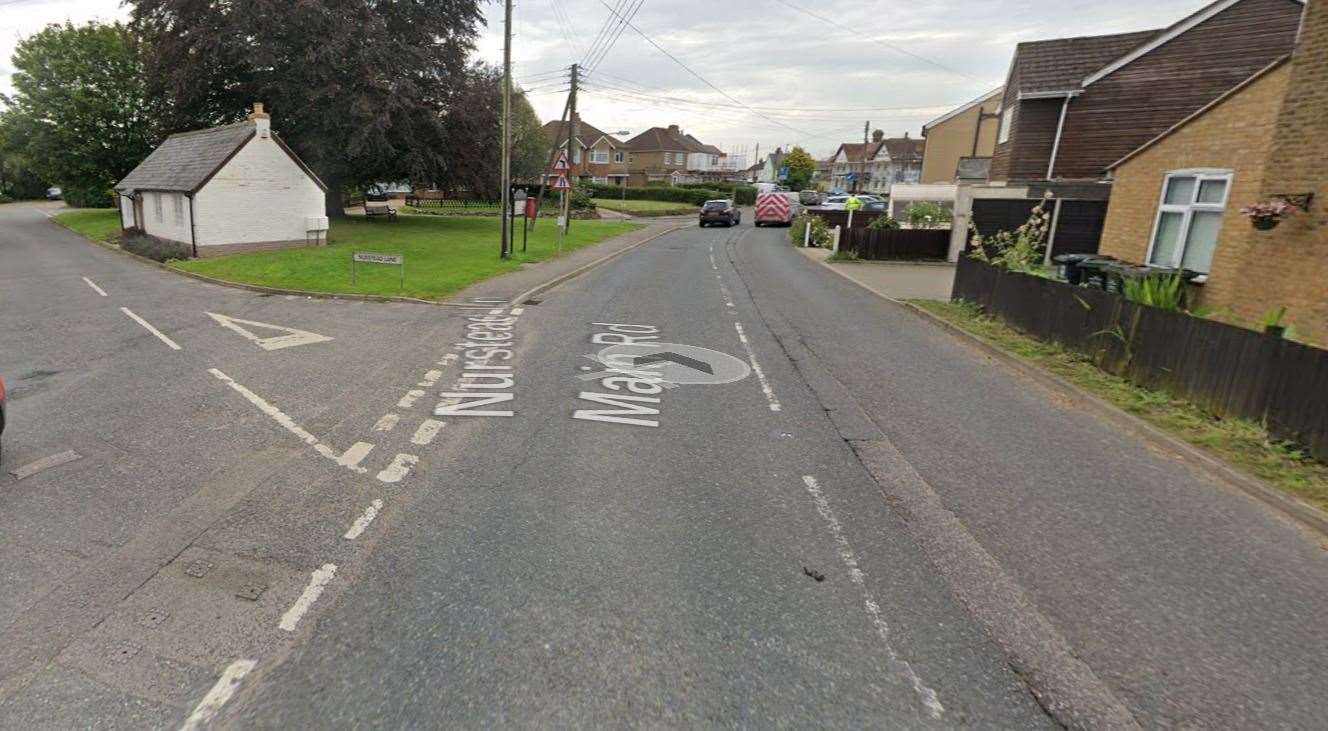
(156, 206)
(1007, 121)
(179, 208)
(1189, 218)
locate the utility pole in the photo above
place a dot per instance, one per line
(505, 247)
(571, 137)
(866, 131)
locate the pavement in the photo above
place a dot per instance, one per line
(339, 514)
(894, 279)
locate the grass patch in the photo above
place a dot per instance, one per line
(1239, 442)
(98, 224)
(646, 208)
(443, 255)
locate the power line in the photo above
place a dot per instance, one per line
(857, 32)
(703, 79)
(622, 26)
(565, 25)
(604, 31)
(792, 114)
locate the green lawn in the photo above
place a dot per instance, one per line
(98, 224)
(1241, 443)
(646, 208)
(443, 255)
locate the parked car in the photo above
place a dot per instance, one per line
(2, 410)
(720, 211)
(54, 194)
(810, 197)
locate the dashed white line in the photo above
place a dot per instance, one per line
(427, 431)
(94, 286)
(410, 398)
(387, 422)
(856, 575)
(361, 523)
(497, 311)
(160, 336)
(518, 310)
(430, 378)
(220, 693)
(355, 455)
(317, 583)
(399, 468)
(756, 368)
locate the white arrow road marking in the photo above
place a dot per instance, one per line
(220, 693)
(291, 339)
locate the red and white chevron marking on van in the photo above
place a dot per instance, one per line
(773, 208)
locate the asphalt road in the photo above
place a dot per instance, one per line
(874, 525)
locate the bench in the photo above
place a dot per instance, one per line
(376, 210)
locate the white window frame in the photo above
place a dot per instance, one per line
(156, 206)
(600, 180)
(618, 156)
(178, 200)
(576, 154)
(1187, 210)
(1007, 121)
(598, 157)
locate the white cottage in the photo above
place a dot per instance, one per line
(226, 189)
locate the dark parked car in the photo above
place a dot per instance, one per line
(720, 212)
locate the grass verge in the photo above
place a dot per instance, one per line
(1241, 443)
(646, 208)
(98, 224)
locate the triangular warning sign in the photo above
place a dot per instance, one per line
(561, 163)
(561, 183)
(292, 337)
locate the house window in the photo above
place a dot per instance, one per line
(1189, 218)
(179, 208)
(576, 154)
(618, 156)
(598, 180)
(1007, 121)
(599, 157)
(156, 206)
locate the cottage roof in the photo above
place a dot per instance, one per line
(1061, 64)
(185, 161)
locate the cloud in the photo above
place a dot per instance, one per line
(810, 82)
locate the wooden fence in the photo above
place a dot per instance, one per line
(1227, 370)
(899, 243)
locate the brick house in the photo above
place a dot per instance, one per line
(1176, 199)
(1073, 106)
(596, 157)
(658, 156)
(226, 189)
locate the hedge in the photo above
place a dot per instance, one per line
(741, 194)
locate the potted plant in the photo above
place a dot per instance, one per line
(1272, 322)
(1266, 215)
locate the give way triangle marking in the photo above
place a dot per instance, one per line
(291, 339)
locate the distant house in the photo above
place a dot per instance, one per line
(225, 189)
(848, 166)
(1073, 106)
(1176, 199)
(960, 142)
(893, 161)
(596, 156)
(770, 168)
(665, 155)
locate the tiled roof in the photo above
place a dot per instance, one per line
(662, 138)
(1061, 64)
(856, 151)
(186, 160)
(904, 149)
(586, 134)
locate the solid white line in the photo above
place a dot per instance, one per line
(756, 368)
(362, 522)
(856, 575)
(409, 399)
(267, 408)
(317, 583)
(427, 431)
(399, 468)
(387, 422)
(220, 693)
(93, 284)
(150, 328)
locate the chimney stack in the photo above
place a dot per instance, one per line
(673, 128)
(261, 120)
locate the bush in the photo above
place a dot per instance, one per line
(581, 198)
(882, 223)
(88, 197)
(154, 248)
(820, 230)
(928, 214)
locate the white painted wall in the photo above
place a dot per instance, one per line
(126, 212)
(168, 226)
(261, 195)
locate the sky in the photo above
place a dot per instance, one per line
(748, 72)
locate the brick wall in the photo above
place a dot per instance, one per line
(1294, 256)
(1237, 135)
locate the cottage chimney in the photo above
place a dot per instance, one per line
(673, 128)
(261, 120)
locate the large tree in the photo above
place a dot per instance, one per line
(79, 116)
(474, 126)
(360, 88)
(801, 167)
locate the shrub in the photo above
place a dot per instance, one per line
(928, 214)
(153, 248)
(844, 255)
(1164, 292)
(882, 223)
(581, 198)
(1021, 250)
(87, 197)
(820, 230)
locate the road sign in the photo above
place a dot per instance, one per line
(370, 257)
(560, 164)
(291, 338)
(851, 177)
(783, 173)
(561, 183)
